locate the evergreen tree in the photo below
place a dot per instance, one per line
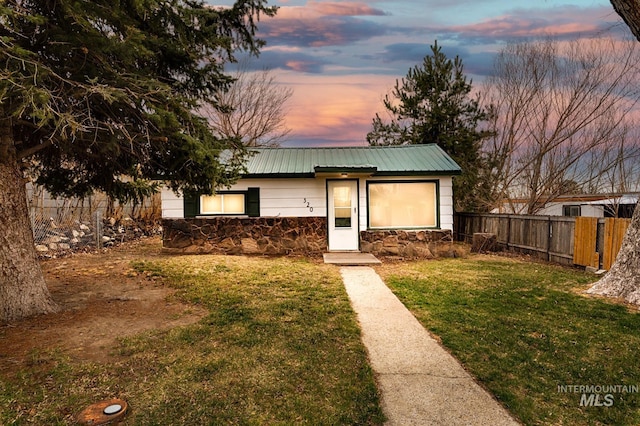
(101, 95)
(432, 104)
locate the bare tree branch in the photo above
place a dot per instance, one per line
(561, 110)
(252, 109)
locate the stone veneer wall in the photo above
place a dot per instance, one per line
(233, 235)
(302, 235)
(424, 244)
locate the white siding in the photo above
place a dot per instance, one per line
(446, 203)
(289, 197)
(551, 209)
(587, 210)
(172, 204)
(286, 197)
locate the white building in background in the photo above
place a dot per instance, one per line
(585, 205)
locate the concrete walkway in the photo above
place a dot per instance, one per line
(420, 382)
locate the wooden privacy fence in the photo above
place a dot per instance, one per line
(581, 241)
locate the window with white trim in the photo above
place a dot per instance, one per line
(223, 203)
(403, 204)
(226, 203)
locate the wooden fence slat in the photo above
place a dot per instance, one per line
(607, 249)
(614, 231)
(621, 231)
(584, 243)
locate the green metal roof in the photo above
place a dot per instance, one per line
(403, 160)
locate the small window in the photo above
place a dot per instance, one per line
(342, 206)
(572, 211)
(403, 205)
(222, 204)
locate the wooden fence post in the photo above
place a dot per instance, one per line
(549, 235)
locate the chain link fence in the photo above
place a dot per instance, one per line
(62, 225)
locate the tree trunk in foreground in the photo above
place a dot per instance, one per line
(623, 280)
(23, 291)
(629, 11)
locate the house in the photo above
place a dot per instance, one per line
(394, 200)
(585, 205)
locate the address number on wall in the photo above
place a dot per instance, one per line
(307, 204)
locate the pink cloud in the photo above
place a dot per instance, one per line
(527, 23)
(334, 109)
(312, 26)
(345, 9)
(511, 26)
(299, 66)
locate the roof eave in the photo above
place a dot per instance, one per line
(277, 175)
(353, 172)
(421, 173)
(368, 169)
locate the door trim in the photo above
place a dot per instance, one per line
(330, 213)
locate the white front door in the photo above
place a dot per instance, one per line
(342, 214)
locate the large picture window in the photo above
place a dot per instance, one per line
(403, 205)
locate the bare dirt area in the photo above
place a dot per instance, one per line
(102, 298)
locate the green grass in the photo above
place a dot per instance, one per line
(280, 346)
(522, 329)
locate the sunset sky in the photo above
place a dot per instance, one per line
(341, 57)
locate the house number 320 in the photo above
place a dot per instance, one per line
(308, 205)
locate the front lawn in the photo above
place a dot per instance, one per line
(527, 332)
(280, 346)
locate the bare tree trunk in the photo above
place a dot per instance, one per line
(23, 291)
(623, 280)
(629, 11)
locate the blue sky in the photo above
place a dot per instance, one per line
(342, 57)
